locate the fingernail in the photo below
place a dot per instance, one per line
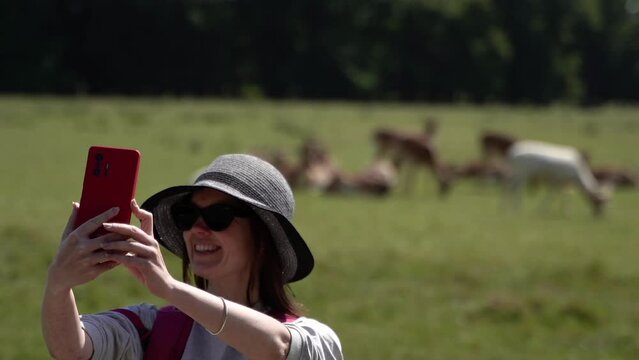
(107, 225)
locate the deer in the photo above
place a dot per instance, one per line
(616, 177)
(317, 168)
(481, 170)
(386, 138)
(495, 146)
(555, 165)
(409, 150)
(379, 178)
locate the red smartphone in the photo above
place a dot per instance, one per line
(110, 179)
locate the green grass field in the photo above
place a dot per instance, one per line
(409, 276)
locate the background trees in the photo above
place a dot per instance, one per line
(539, 51)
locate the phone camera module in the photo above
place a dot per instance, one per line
(98, 162)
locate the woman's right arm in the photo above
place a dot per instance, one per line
(61, 327)
(79, 260)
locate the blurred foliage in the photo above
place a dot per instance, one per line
(533, 51)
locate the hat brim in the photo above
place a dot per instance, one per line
(297, 259)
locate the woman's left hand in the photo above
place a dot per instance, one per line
(141, 253)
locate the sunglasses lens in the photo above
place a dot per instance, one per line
(184, 215)
(218, 217)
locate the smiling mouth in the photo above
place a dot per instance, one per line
(206, 249)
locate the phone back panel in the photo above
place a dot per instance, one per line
(110, 180)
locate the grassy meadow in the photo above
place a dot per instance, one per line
(408, 276)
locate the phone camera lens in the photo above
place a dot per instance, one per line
(99, 157)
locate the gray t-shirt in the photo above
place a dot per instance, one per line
(115, 337)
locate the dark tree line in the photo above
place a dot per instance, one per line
(582, 51)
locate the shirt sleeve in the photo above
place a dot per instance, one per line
(312, 340)
(114, 336)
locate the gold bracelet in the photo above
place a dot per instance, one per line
(226, 316)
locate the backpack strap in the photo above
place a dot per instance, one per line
(284, 318)
(289, 318)
(143, 332)
(170, 333)
(171, 329)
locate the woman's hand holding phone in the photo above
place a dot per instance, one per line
(110, 179)
(140, 252)
(81, 258)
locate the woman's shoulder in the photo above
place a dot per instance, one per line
(308, 333)
(312, 327)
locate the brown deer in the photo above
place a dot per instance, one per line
(317, 168)
(386, 140)
(481, 170)
(410, 150)
(418, 152)
(495, 145)
(617, 177)
(379, 178)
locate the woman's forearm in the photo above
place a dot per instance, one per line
(61, 326)
(250, 332)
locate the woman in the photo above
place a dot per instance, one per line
(232, 228)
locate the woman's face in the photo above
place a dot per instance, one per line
(220, 256)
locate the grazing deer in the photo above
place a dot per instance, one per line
(554, 165)
(495, 146)
(417, 152)
(387, 140)
(410, 150)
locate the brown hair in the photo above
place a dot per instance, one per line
(274, 294)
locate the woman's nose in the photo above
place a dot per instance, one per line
(200, 225)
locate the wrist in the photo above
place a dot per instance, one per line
(54, 289)
(170, 289)
(54, 286)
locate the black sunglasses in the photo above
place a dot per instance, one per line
(217, 217)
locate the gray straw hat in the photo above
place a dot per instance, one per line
(253, 181)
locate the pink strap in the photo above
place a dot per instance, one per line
(290, 318)
(135, 320)
(168, 337)
(170, 333)
(284, 318)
